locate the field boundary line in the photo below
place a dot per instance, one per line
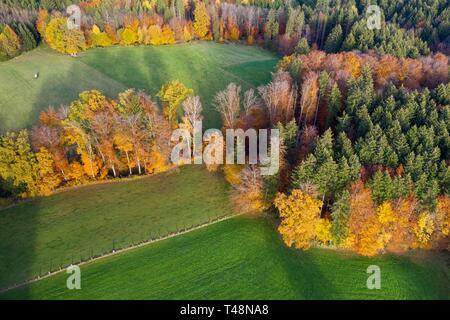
(120, 84)
(223, 69)
(236, 77)
(118, 251)
(254, 60)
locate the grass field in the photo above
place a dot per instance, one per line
(85, 220)
(205, 67)
(243, 258)
(60, 80)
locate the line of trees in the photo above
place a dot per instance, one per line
(17, 31)
(286, 27)
(93, 139)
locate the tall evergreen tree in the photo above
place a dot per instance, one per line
(334, 40)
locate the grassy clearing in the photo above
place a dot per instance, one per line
(205, 67)
(243, 258)
(60, 80)
(85, 220)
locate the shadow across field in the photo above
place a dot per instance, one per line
(11, 271)
(75, 225)
(242, 258)
(195, 65)
(306, 281)
(61, 79)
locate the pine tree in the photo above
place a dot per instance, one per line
(295, 22)
(343, 146)
(179, 4)
(363, 122)
(360, 91)
(334, 40)
(340, 213)
(271, 28)
(302, 46)
(334, 105)
(324, 147)
(349, 43)
(216, 26)
(381, 187)
(27, 38)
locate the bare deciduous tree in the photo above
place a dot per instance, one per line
(279, 97)
(248, 194)
(309, 97)
(228, 104)
(192, 108)
(250, 100)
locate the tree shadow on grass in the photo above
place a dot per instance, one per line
(421, 275)
(18, 229)
(19, 225)
(305, 277)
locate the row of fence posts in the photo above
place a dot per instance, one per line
(156, 235)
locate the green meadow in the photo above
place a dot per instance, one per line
(243, 258)
(203, 66)
(88, 221)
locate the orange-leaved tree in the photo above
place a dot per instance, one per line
(364, 227)
(167, 35)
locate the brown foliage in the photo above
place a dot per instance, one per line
(279, 97)
(363, 225)
(412, 73)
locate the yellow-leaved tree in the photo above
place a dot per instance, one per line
(300, 218)
(387, 218)
(424, 229)
(129, 36)
(232, 173)
(9, 43)
(49, 179)
(99, 38)
(172, 94)
(41, 21)
(59, 37)
(155, 33)
(202, 21)
(188, 32)
(443, 216)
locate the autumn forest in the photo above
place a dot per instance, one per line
(363, 116)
